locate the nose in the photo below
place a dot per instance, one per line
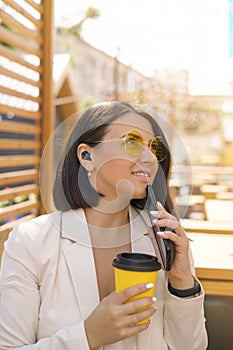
(147, 156)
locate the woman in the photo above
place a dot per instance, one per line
(57, 281)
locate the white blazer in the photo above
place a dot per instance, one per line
(48, 288)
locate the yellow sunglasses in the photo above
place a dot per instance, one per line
(134, 144)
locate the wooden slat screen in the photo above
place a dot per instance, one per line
(25, 79)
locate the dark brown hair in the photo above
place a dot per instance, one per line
(72, 189)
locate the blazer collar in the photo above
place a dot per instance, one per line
(74, 226)
(141, 242)
(80, 260)
(140, 224)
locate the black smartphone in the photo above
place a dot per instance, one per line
(166, 248)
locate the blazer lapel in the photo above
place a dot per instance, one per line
(140, 239)
(141, 243)
(80, 260)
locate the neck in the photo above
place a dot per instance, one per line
(108, 230)
(101, 219)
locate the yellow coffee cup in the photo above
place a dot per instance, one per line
(134, 268)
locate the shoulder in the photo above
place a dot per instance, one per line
(33, 242)
(34, 233)
(37, 226)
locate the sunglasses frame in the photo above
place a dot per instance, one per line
(137, 138)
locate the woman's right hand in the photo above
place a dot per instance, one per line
(114, 319)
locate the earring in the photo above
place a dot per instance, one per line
(89, 174)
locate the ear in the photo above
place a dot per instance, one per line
(86, 162)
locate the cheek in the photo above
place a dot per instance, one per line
(116, 168)
(115, 176)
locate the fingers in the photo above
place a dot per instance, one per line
(168, 223)
(142, 316)
(139, 310)
(164, 219)
(173, 230)
(136, 312)
(138, 319)
(118, 316)
(132, 300)
(128, 293)
(110, 322)
(169, 235)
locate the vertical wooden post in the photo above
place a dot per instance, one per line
(47, 119)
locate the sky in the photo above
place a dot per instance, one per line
(154, 34)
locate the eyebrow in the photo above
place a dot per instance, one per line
(121, 137)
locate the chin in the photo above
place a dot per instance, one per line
(140, 194)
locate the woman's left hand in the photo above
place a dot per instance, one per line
(180, 275)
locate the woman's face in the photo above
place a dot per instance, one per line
(116, 173)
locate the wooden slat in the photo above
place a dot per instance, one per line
(214, 273)
(222, 288)
(37, 7)
(11, 193)
(18, 94)
(20, 77)
(20, 42)
(18, 177)
(19, 128)
(20, 112)
(20, 28)
(23, 12)
(17, 161)
(6, 228)
(14, 56)
(204, 226)
(19, 144)
(17, 209)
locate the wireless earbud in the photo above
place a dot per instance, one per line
(86, 155)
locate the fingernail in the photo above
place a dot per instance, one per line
(154, 221)
(149, 285)
(154, 299)
(159, 204)
(154, 308)
(154, 212)
(161, 233)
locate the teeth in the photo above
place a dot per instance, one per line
(141, 174)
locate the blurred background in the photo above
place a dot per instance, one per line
(176, 57)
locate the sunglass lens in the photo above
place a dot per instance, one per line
(158, 148)
(133, 143)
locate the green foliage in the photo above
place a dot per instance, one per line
(76, 29)
(87, 102)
